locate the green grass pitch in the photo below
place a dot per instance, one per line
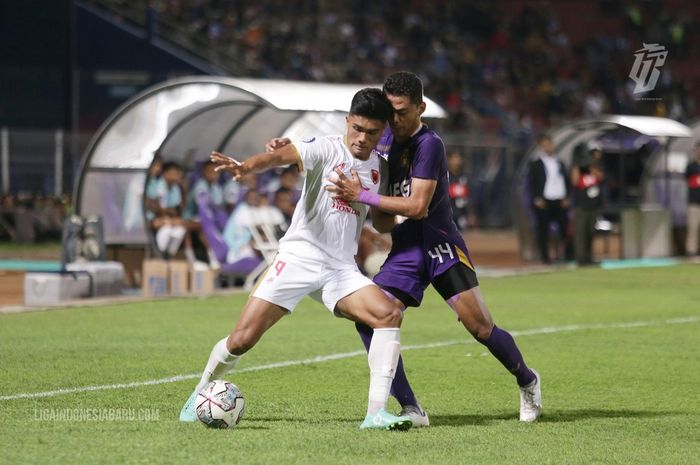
(618, 351)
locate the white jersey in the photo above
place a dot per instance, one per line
(324, 228)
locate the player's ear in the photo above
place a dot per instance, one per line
(421, 108)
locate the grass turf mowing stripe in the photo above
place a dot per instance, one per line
(339, 356)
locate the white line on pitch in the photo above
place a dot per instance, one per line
(328, 358)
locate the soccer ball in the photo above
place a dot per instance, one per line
(374, 261)
(220, 404)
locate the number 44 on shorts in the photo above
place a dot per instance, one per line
(441, 250)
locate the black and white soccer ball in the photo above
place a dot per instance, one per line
(220, 404)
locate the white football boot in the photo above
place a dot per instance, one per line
(417, 415)
(531, 400)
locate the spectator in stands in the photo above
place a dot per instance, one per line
(458, 190)
(155, 188)
(287, 179)
(692, 174)
(548, 186)
(51, 214)
(167, 206)
(7, 217)
(235, 191)
(205, 191)
(207, 186)
(238, 233)
(586, 181)
(284, 201)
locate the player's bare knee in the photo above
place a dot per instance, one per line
(480, 330)
(390, 317)
(240, 342)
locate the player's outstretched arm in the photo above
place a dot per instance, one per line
(414, 206)
(286, 155)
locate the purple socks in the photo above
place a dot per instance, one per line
(501, 344)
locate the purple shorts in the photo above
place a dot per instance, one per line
(411, 269)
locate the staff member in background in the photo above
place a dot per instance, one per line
(586, 179)
(692, 174)
(458, 190)
(549, 190)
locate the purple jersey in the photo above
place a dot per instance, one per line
(426, 248)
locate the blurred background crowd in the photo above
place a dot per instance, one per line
(504, 70)
(507, 66)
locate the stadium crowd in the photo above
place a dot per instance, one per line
(29, 218)
(507, 66)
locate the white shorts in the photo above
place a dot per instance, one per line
(290, 278)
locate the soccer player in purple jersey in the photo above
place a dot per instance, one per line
(427, 245)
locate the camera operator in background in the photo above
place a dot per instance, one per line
(459, 191)
(692, 174)
(586, 180)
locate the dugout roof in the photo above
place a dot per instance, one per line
(183, 120)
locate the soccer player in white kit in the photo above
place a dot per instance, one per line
(316, 255)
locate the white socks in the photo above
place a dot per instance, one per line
(383, 356)
(220, 362)
(213, 262)
(169, 238)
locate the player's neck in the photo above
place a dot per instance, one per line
(413, 133)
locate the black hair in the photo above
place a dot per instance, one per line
(282, 190)
(543, 137)
(170, 165)
(372, 104)
(404, 84)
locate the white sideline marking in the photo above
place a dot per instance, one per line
(339, 356)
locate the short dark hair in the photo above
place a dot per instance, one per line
(543, 137)
(372, 104)
(404, 84)
(171, 165)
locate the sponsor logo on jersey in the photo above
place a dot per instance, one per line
(343, 206)
(401, 188)
(308, 140)
(375, 176)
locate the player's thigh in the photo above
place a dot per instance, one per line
(354, 296)
(460, 289)
(257, 317)
(471, 309)
(370, 305)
